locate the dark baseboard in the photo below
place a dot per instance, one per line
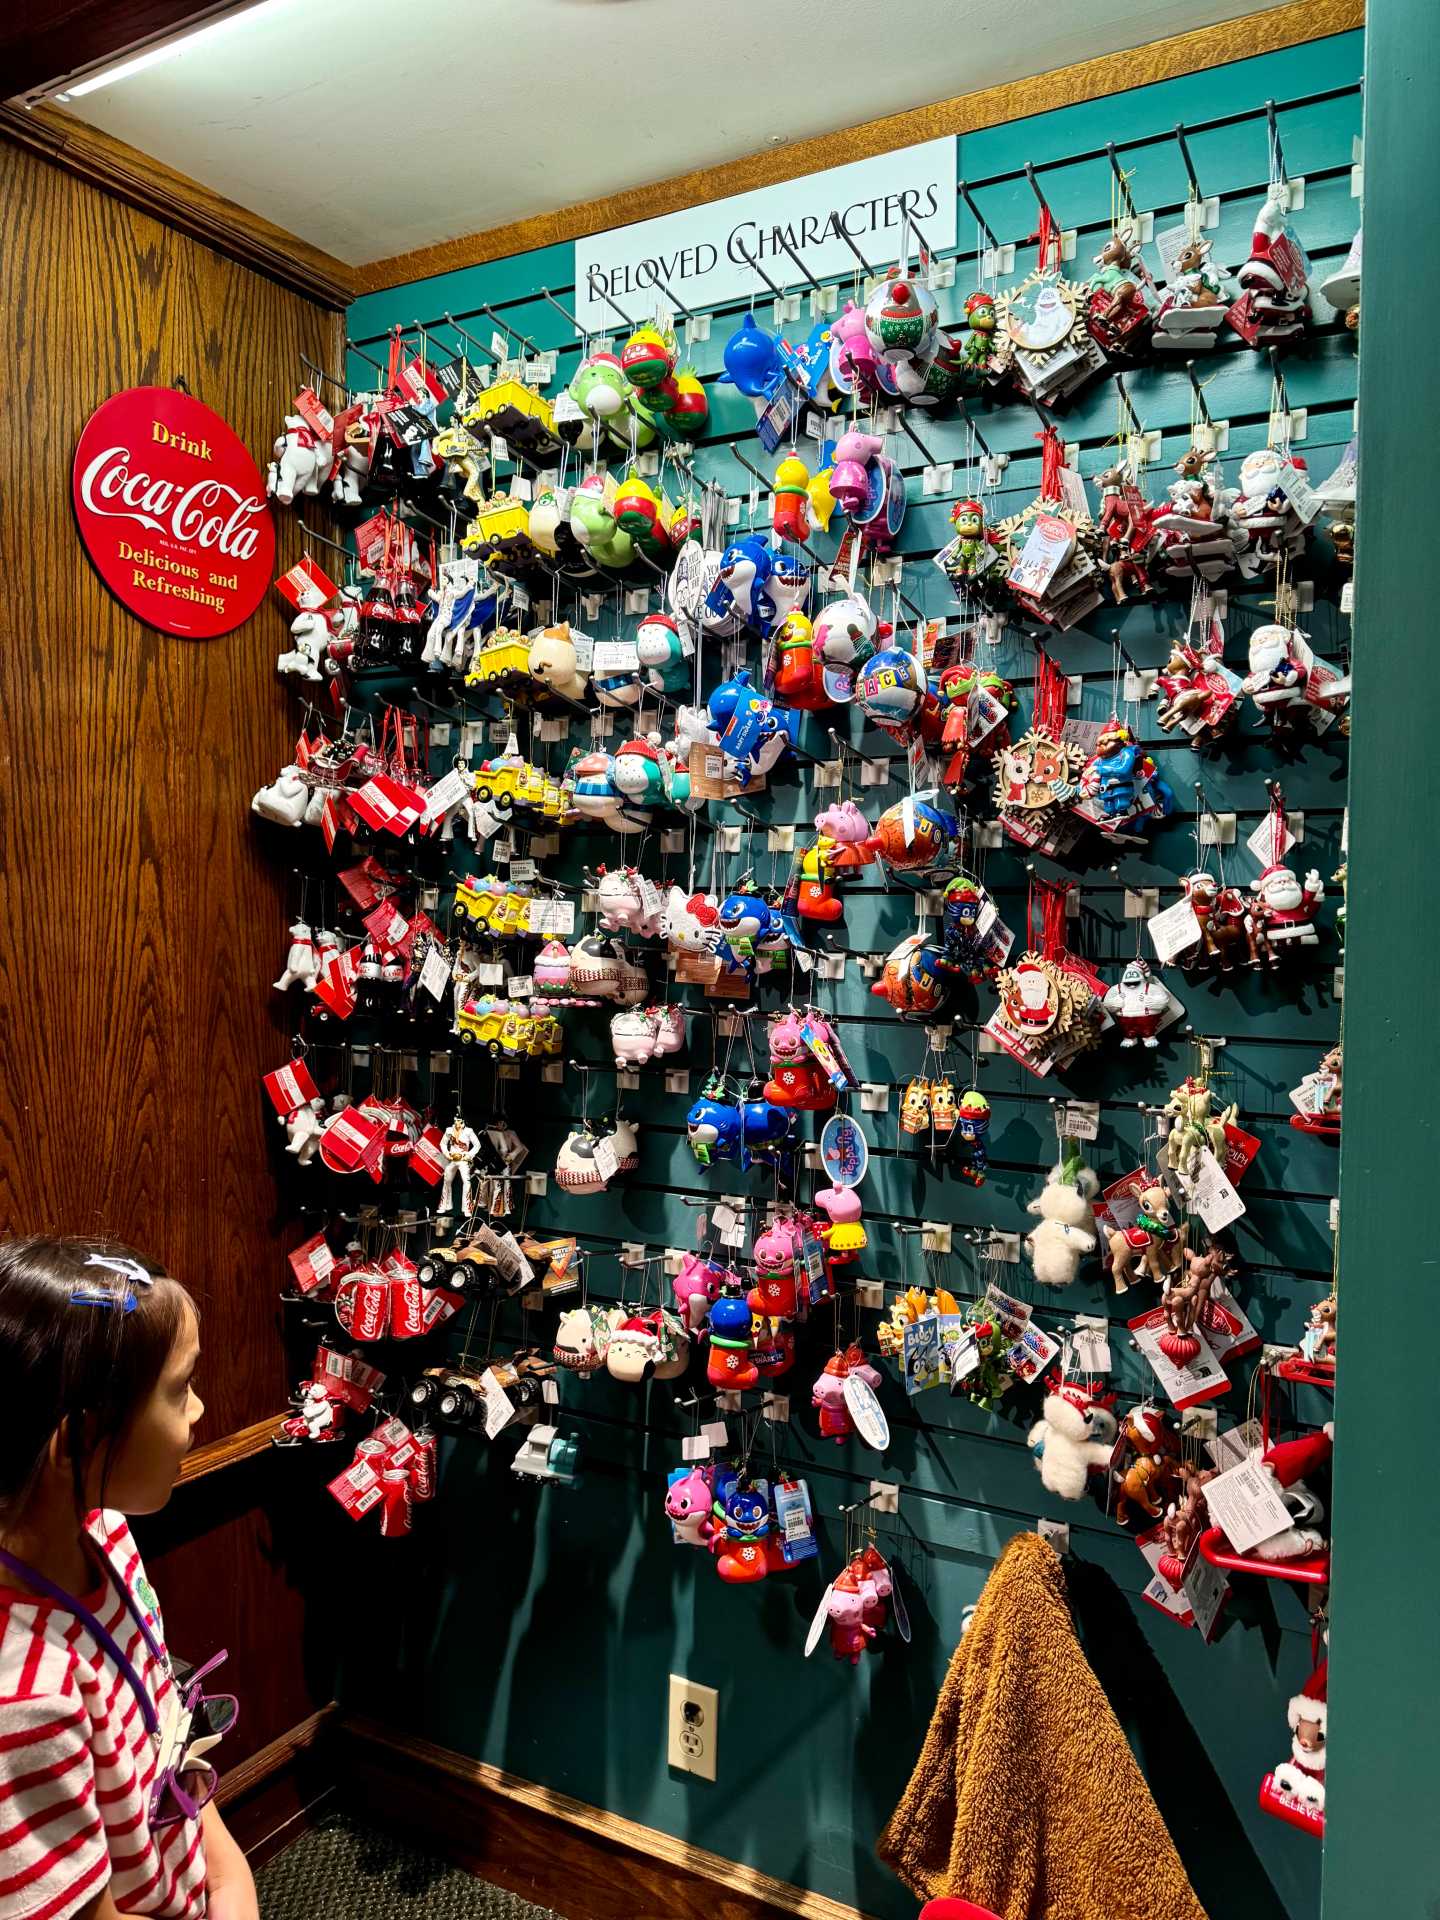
(270, 1799)
(579, 1860)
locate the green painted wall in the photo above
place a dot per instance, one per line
(536, 1630)
(1385, 1670)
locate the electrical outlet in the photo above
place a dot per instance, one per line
(694, 1727)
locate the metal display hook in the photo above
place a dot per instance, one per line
(506, 328)
(984, 225)
(545, 294)
(1190, 172)
(470, 340)
(840, 228)
(756, 267)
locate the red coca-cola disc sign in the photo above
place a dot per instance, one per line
(172, 511)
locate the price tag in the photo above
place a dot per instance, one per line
(523, 869)
(694, 1447)
(448, 791)
(435, 974)
(498, 1410)
(716, 1432)
(1213, 1197)
(1091, 1344)
(607, 1161)
(1080, 1120)
(1174, 931)
(1246, 1502)
(520, 986)
(1271, 840)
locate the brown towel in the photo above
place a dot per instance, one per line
(1026, 1797)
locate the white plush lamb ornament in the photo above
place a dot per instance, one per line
(302, 461)
(1074, 1438)
(1067, 1221)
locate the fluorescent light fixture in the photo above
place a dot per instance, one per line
(164, 50)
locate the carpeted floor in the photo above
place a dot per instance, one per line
(341, 1870)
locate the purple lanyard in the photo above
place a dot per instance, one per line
(100, 1634)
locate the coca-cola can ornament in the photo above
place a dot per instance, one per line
(395, 1503)
(362, 1306)
(172, 511)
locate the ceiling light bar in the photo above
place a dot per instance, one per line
(74, 88)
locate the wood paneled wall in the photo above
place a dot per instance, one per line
(139, 923)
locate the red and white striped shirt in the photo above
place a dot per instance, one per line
(76, 1762)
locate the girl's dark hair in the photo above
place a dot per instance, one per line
(75, 1356)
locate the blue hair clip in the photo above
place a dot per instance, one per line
(86, 1295)
(97, 1296)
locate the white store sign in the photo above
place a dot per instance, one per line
(700, 252)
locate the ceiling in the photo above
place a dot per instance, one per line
(370, 128)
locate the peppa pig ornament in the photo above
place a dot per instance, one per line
(854, 476)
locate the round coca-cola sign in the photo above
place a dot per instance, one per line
(172, 511)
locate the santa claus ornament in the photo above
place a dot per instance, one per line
(1283, 906)
(1050, 999)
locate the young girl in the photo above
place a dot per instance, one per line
(102, 1775)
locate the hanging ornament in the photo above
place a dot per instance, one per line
(1036, 778)
(1051, 1000)
(1046, 345)
(1120, 785)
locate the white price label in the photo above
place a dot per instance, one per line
(1174, 931)
(435, 974)
(607, 1161)
(520, 986)
(694, 1447)
(1213, 1197)
(1246, 1502)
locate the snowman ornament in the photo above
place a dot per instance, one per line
(458, 1147)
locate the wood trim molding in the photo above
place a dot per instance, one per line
(229, 1450)
(271, 1798)
(180, 202)
(551, 1842)
(1194, 52)
(262, 1766)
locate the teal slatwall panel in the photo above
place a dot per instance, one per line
(535, 1605)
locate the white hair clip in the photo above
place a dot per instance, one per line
(100, 1296)
(130, 1269)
